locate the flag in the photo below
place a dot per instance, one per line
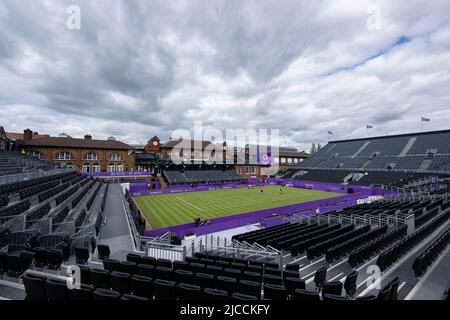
(330, 132)
(425, 119)
(369, 126)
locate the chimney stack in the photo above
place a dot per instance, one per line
(27, 135)
(88, 137)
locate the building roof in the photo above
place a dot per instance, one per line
(172, 143)
(294, 154)
(19, 136)
(77, 143)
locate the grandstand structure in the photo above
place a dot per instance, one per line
(395, 218)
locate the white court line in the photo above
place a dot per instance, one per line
(189, 204)
(425, 276)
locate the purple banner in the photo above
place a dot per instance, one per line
(118, 174)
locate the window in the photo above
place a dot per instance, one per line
(91, 157)
(111, 168)
(86, 168)
(115, 157)
(64, 156)
(295, 160)
(283, 160)
(36, 154)
(289, 160)
(96, 167)
(119, 168)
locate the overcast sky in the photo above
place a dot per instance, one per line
(141, 68)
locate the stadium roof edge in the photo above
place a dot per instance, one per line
(393, 136)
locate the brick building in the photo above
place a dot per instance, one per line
(87, 155)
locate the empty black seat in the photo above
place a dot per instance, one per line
(273, 271)
(188, 292)
(54, 259)
(350, 283)
(85, 274)
(120, 282)
(368, 297)
(240, 296)
(251, 276)
(232, 273)
(275, 292)
(300, 294)
(164, 290)
(84, 293)
(34, 287)
(105, 294)
(100, 278)
(128, 267)
(180, 265)
(132, 297)
(111, 265)
(14, 264)
(334, 297)
(197, 267)
(40, 257)
(271, 265)
(227, 284)
(134, 257)
(103, 251)
(204, 280)
(56, 290)
(166, 263)
(142, 286)
(385, 293)
(215, 270)
(251, 288)
(164, 273)
(184, 276)
(81, 255)
(293, 284)
(320, 277)
(3, 264)
(394, 288)
(145, 270)
(214, 294)
(291, 274)
(292, 267)
(333, 288)
(148, 260)
(272, 279)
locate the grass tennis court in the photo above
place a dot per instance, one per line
(173, 209)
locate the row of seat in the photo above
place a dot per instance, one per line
(52, 192)
(143, 288)
(368, 250)
(320, 248)
(391, 255)
(15, 209)
(4, 200)
(14, 264)
(344, 248)
(16, 187)
(426, 259)
(38, 189)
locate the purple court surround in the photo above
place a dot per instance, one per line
(118, 174)
(267, 217)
